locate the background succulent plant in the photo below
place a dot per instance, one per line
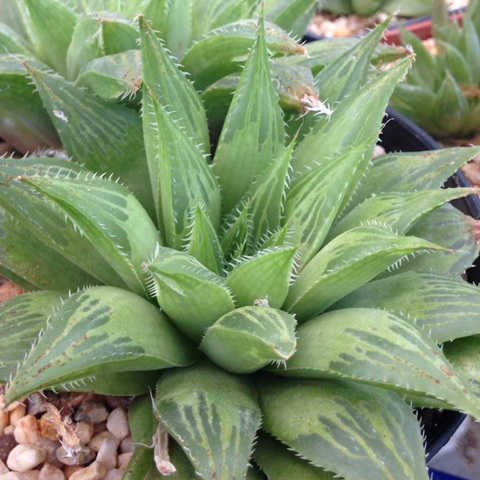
(280, 267)
(441, 92)
(408, 8)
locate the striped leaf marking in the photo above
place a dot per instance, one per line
(377, 347)
(358, 432)
(113, 77)
(249, 338)
(203, 242)
(21, 319)
(171, 88)
(52, 24)
(98, 35)
(397, 211)
(93, 332)
(355, 119)
(191, 295)
(266, 275)
(254, 126)
(409, 172)
(105, 137)
(444, 307)
(110, 217)
(280, 463)
(345, 264)
(449, 228)
(314, 199)
(213, 415)
(220, 52)
(291, 16)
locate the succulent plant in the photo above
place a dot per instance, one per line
(441, 92)
(284, 295)
(405, 8)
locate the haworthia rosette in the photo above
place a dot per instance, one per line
(93, 332)
(254, 126)
(213, 415)
(189, 293)
(379, 348)
(345, 264)
(356, 431)
(444, 307)
(249, 338)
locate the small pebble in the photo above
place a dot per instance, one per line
(108, 453)
(49, 472)
(96, 471)
(9, 430)
(27, 431)
(32, 475)
(36, 404)
(84, 432)
(96, 442)
(124, 460)
(113, 402)
(127, 445)
(4, 421)
(46, 429)
(92, 412)
(114, 474)
(99, 428)
(25, 457)
(50, 449)
(3, 468)
(19, 412)
(75, 456)
(117, 423)
(7, 444)
(69, 470)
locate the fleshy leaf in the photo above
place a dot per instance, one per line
(52, 24)
(213, 415)
(279, 463)
(96, 36)
(446, 308)
(105, 137)
(11, 41)
(249, 338)
(203, 242)
(110, 217)
(358, 432)
(236, 232)
(345, 264)
(378, 348)
(292, 16)
(397, 211)
(265, 276)
(254, 126)
(190, 294)
(21, 320)
(93, 332)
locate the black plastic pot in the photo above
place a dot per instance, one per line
(400, 134)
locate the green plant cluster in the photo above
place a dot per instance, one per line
(281, 295)
(405, 8)
(441, 92)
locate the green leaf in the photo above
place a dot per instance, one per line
(224, 50)
(203, 242)
(110, 217)
(279, 463)
(345, 264)
(456, 63)
(356, 431)
(409, 172)
(24, 123)
(266, 276)
(315, 198)
(52, 25)
(446, 308)
(92, 332)
(451, 229)
(11, 41)
(378, 348)
(236, 233)
(21, 320)
(356, 118)
(179, 27)
(291, 16)
(32, 264)
(98, 35)
(408, 8)
(247, 339)
(366, 7)
(105, 137)
(470, 46)
(397, 211)
(189, 293)
(254, 126)
(114, 76)
(213, 415)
